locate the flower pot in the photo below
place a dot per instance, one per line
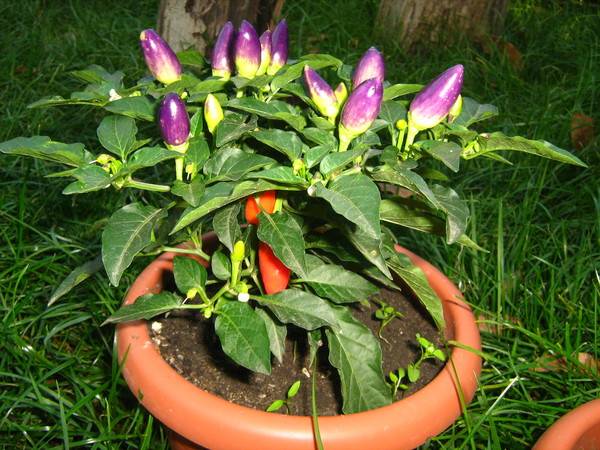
(576, 430)
(215, 423)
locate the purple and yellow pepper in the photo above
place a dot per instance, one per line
(371, 65)
(247, 51)
(221, 56)
(160, 58)
(279, 47)
(360, 111)
(174, 122)
(321, 94)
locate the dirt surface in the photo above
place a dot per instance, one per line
(189, 344)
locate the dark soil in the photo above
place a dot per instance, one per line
(189, 344)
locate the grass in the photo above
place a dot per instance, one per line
(539, 221)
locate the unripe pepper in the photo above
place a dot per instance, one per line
(274, 274)
(213, 113)
(266, 200)
(321, 93)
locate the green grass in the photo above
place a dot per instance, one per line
(59, 382)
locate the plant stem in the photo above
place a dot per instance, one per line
(146, 186)
(412, 133)
(313, 406)
(189, 251)
(219, 293)
(179, 168)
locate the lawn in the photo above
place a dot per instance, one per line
(537, 288)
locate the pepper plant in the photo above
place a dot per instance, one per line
(293, 176)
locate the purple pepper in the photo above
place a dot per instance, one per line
(265, 53)
(174, 121)
(160, 58)
(321, 93)
(360, 110)
(221, 55)
(371, 65)
(279, 46)
(433, 103)
(247, 51)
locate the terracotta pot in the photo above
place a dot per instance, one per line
(576, 430)
(215, 423)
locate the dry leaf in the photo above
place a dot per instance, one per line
(582, 130)
(488, 324)
(552, 363)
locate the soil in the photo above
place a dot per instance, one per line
(189, 344)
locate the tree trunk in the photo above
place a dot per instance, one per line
(196, 23)
(410, 22)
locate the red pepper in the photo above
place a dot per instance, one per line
(266, 200)
(275, 275)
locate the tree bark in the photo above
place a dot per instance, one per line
(196, 23)
(411, 22)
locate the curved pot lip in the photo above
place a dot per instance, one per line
(576, 429)
(181, 406)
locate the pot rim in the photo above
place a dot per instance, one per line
(215, 423)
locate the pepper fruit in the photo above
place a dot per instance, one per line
(221, 61)
(266, 200)
(160, 58)
(274, 274)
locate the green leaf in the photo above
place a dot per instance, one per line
(320, 137)
(146, 307)
(416, 280)
(197, 123)
(140, 107)
(498, 141)
(256, 82)
(293, 390)
(204, 87)
(189, 274)
(356, 354)
(356, 198)
(226, 225)
(286, 142)
(300, 308)
(392, 111)
(284, 236)
(272, 110)
(98, 74)
(338, 284)
(472, 112)
(198, 152)
(457, 212)
(192, 58)
(221, 194)
(191, 192)
(280, 174)
(220, 265)
(413, 373)
(57, 100)
(148, 157)
(275, 406)
(129, 231)
(291, 72)
(42, 147)
(77, 276)
(243, 335)
(370, 248)
(231, 164)
(89, 178)
(408, 179)
(232, 127)
(446, 152)
(117, 135)
(407, 214)
(337, 160)
(277, 334)
(398, 90)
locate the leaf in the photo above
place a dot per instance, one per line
(300, 308)
(42, 147)
(256, 82)
(198, 152)
(231, 164)
(356, 198)
(243, 335)
(398, 90)
(275, 406)
(232, 127)
(204, 87)
(129, 231)
(191, 58)
(191, 192)
(446, 152)
(146, 307)
(267, 110)
(320, 137)
(473, 112)
(392, 112)
(416, 280)
(139, 107)
(89, 178)
(226, 225)
(498, 141)
(220, 265)
(221, 194)
(77, 276)
(337, 160)
(406, 214)
(117, 135)
(148, 157)
(338, 284)
(314, 155)
(356, 354)
(370, 248)
(408, 179)
(291, 72)
(98, 74)
(57, 100)
(277, 334)
(457, 212)
(197, 123)
(189, 274)
(286, 142)
(280, 174)
(284, 236)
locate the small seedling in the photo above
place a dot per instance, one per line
(291, 393)
(385, 313)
